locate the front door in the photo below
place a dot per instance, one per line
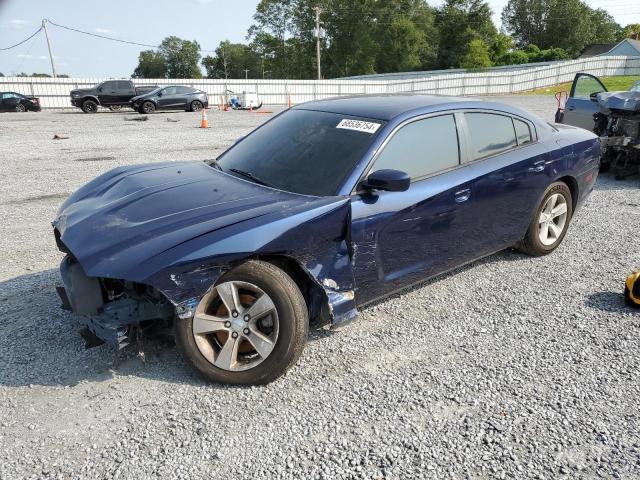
(582, 102)
(402, 237)
(169, 99)
(108, 93)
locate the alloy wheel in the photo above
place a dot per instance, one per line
(235, 326)
(553, 219)
(20, 108)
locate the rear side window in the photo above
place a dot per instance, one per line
(490, 134)
(183, 90)
(422, 148)
(124, 86)
(523, 133)
(110, 86)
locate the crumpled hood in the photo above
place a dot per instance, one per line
(117, 223)
(629, 101)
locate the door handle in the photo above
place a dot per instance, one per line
(537, 166)
(462, 195)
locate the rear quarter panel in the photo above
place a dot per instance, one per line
(575, 156)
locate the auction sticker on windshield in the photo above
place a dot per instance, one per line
(358, 125)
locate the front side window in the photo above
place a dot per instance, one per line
(169, 91)
(422, 148)
(587, 85)
(302, 151)
(490, 134)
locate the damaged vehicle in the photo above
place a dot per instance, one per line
(326, 207)
(614, 116)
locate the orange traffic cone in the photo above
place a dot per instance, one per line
(204, 123)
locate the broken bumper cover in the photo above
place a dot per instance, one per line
(112, 322)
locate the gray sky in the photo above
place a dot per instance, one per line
(147, 21)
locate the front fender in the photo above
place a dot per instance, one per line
(317, 240)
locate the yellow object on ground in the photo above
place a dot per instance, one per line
(632, 289)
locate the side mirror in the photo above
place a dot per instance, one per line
(99, 89)
(594, 96)
(388, 180)
(159, 94)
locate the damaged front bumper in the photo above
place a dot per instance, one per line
(108, 315)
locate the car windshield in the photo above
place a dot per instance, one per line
(302, 151)
(636, 87)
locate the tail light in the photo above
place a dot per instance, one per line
(35, 100)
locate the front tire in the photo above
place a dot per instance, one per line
(115, 108)
(148, 108)
(249, 329)
(89, 106)
(550, 221)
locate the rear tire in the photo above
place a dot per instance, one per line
(115, 108)
(147, 108)
(196, 106)
(89, 106)
(215, 325)
(550, 221)
(21, 108)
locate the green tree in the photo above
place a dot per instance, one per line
(182, 57)
(630, 31)
(231, 60)
(459, 22)
(477, 55)
(150, 65)
(605, 28)
(567, 24)
(175, 58)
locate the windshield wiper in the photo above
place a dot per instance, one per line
(252, 177)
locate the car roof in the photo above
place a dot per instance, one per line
(388, 107)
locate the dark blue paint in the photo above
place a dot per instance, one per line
(179, 226)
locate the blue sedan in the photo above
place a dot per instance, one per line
(326, 207)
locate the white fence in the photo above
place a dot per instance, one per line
(54, 93)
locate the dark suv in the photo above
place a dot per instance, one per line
(113, 94)
(173, 97)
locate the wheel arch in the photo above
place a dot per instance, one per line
(90, 97)
(572, 183)
(313, 293)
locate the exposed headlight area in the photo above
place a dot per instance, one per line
(111, 310)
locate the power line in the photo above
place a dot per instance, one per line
(113, 39)
(23, 41)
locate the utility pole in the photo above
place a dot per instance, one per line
(46, 34)
(246, 73)
(318, 10)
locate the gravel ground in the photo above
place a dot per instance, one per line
(511, 367)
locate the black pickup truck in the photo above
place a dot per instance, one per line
(112, 94)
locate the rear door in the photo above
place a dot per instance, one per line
(582, 103)
(510, 173)
(125, 91)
